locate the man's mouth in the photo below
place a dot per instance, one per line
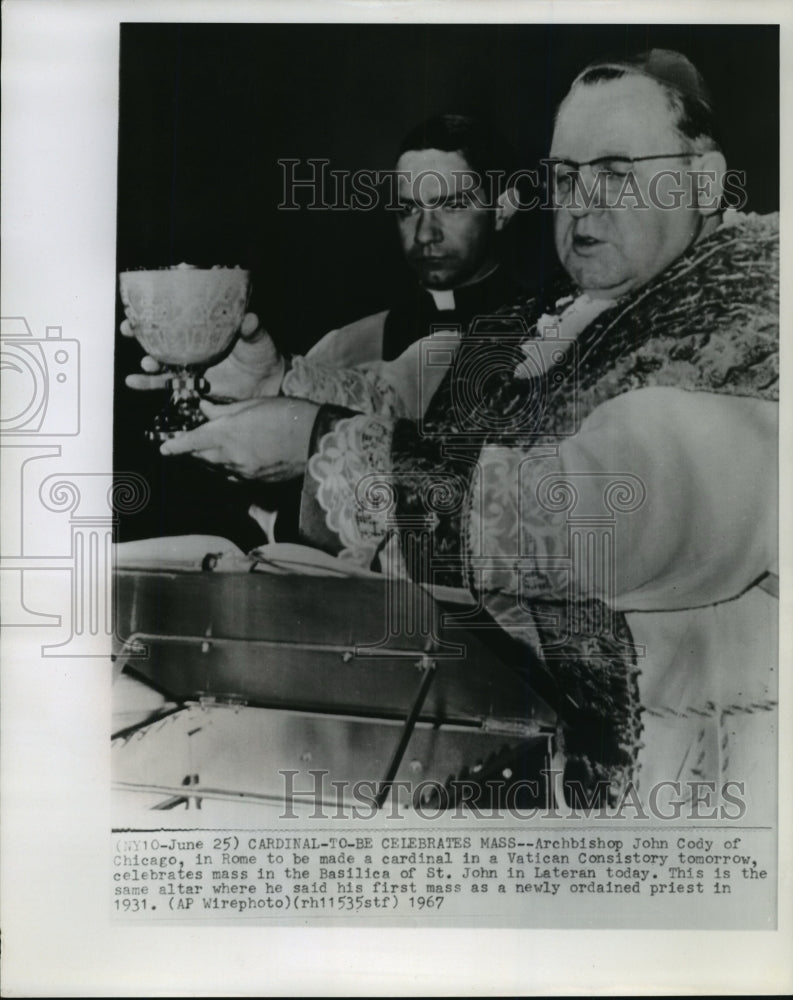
(582, 244)
(431, 263)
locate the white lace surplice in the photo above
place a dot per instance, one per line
(399, 388)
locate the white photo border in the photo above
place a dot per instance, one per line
(60, 111)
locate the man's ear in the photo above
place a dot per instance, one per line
(710, 186)
(506, 206)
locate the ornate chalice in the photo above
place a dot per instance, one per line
(185, 318)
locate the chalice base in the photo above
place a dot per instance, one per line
(182, 413)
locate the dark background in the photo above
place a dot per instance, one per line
(206, 111)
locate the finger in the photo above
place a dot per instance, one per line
(203, 438)
(146, 381)
(127, 328)
(150, 365)
(250, 330)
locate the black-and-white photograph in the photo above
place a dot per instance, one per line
(434, 581)
(452, 372)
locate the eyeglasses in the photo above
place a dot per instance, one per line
(608, 171)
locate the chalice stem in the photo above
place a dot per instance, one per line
(182, 413)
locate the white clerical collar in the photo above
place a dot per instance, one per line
(443, 298)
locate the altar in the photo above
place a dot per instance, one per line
(287, 684)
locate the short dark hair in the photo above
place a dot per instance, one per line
(686, 92)
(484, 148)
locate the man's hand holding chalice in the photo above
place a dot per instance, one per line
(266, 439)
(253, 369)
(253, 437)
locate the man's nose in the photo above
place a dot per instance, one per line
(587, 196)
(579, 207)
(428, 229)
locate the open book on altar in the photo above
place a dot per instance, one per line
(196, 553)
